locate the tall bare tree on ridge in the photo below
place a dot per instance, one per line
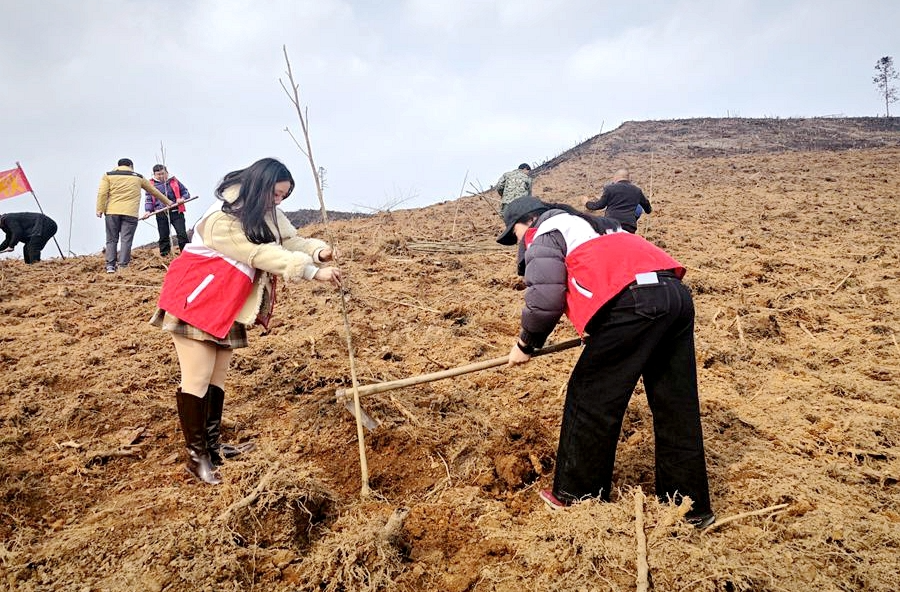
(884, 82)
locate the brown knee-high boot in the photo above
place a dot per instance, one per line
(192, 414)
(217, 450)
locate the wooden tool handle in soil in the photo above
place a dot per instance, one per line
(381, 387)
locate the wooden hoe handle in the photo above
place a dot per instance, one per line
(380, 387)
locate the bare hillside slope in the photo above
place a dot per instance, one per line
(793, 263)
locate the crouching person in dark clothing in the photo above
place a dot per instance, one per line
(31, 228)
(625, 296)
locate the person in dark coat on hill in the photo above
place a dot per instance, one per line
(31, 228)
(622, 200)
(625, 297)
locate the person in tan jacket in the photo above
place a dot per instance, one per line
(119, 198)
(222, 284)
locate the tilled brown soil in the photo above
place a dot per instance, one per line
(793, 263)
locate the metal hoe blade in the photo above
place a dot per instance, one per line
(369, 422)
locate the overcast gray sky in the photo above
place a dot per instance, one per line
(404, 97)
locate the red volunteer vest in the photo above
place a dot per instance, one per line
(176, 190)
(206, 289)
(600, 266)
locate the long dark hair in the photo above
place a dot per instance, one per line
(600, 224)
(256, 197)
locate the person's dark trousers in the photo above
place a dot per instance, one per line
(162, 224)
(646, 330)
(176, 219)
(35, 244)
(119, 230)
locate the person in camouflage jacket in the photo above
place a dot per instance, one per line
(513, 185)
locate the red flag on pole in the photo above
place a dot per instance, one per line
(13, 182)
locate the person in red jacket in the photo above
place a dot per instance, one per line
(625, 297)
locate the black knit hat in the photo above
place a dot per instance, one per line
(514, 211)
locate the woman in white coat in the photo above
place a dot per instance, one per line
(224, 282)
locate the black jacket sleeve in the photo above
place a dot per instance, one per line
(645, 203)
(601, 203)
(545, 293)
(13, 234)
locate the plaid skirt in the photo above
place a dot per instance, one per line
(236, 338)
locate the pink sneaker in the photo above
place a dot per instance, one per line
(551, 501)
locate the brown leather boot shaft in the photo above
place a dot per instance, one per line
(217, 450)
(192, 413)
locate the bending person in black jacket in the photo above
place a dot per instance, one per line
(622, 200)
(31, 228)
(625, 297)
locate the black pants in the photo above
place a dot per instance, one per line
(162, 224)
(648, 331)
(35, 243)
